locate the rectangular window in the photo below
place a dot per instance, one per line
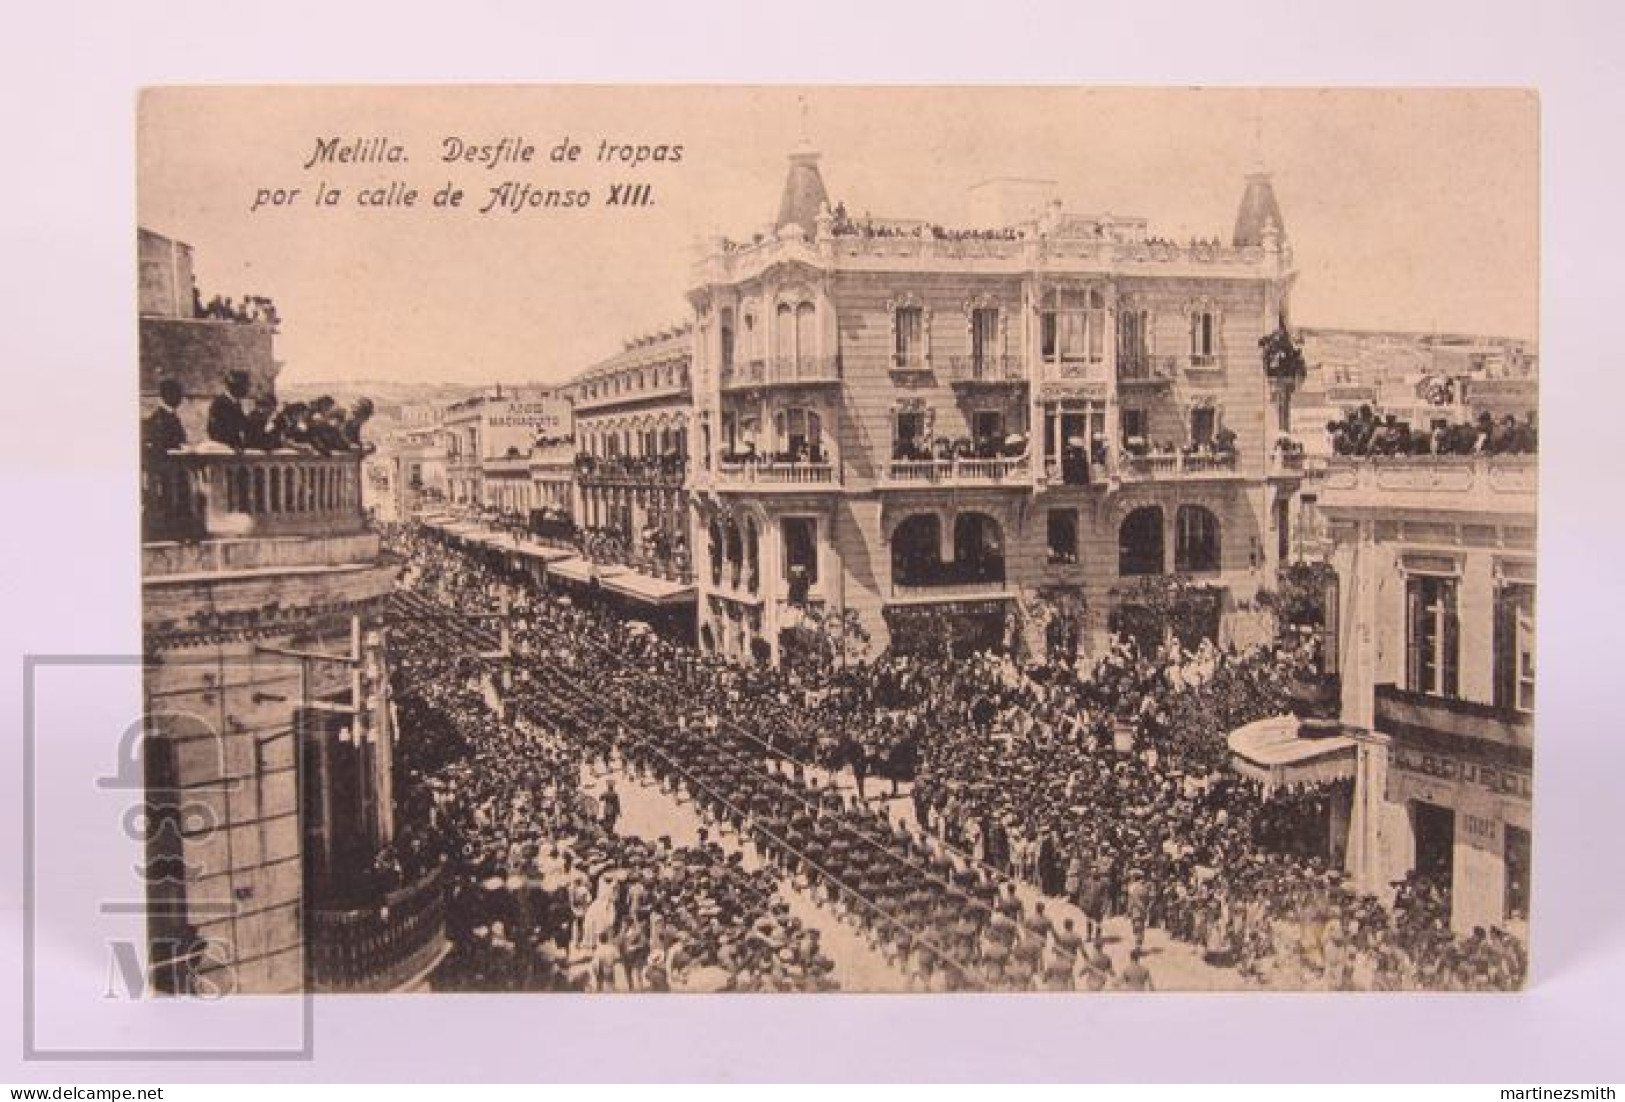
(1518, 854)
(1133, 348)
(1202, 338)
(1073, 330)
(1134, 426)
(1202, 426)
(984, 340)
(800, 554)
(987, 426)
(1432, 640)
(1515, 647)
(910, 336)
(1063, 536)
(910, 429)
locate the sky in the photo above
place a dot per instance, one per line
(1406, 209)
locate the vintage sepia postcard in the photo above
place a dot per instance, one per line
(837, 538)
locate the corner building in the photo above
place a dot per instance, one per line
(901, 420)
(1435, 557)
(268, 735)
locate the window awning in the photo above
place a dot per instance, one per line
(655, 591)
(1275, 753)
(541, 551)
(581, 571)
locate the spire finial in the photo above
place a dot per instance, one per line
(1258, 131)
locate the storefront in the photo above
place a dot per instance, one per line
(1464, 782)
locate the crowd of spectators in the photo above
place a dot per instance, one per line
(1103, 785)
(945, 449)
(235, 423)
(254, 309)
(545, 893)
(1364, 433)
(670, 466)
(843, 224)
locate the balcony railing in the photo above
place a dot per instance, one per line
(611, 472)
(1092, 370)
(1400, 712)
(987, 369)
(950, 589)
(231, 495)
(1286, 462)
(781, 371)
(378, 948)
(1499, 484)
(1136, 468)
(958, 472)
(1143, 368)
(777, 474)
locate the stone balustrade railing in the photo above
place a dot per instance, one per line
(189, 496)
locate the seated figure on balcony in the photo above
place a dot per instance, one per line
(264, 427)
(162, 432)
(326, 426)
(228, 420)
(360, 414)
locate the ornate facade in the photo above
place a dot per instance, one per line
(1435, 557)
(632, 416)
(898, 420)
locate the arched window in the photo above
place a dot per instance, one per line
(916, 548)
(715, 549)
(806, 337)
(1139, 543)
(978, 548)
(784, 334)
(1196, 540)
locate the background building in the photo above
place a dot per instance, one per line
(994, 433)
(632, 434)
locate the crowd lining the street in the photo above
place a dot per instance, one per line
(1105, 787)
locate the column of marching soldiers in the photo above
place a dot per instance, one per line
(548, 894)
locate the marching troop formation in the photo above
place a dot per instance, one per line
(1027, 826)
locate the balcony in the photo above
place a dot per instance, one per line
(1176, 465)
(191, 496)
(1400, 713)
(928, 473)
(382, 947)
(1075, 370)
(910, 363)
(789, 476)
(1481, 484)
(949, 582)
(1136, 369)
(782, 371)
(991, 370)
(1286, 463)
(637, 471)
